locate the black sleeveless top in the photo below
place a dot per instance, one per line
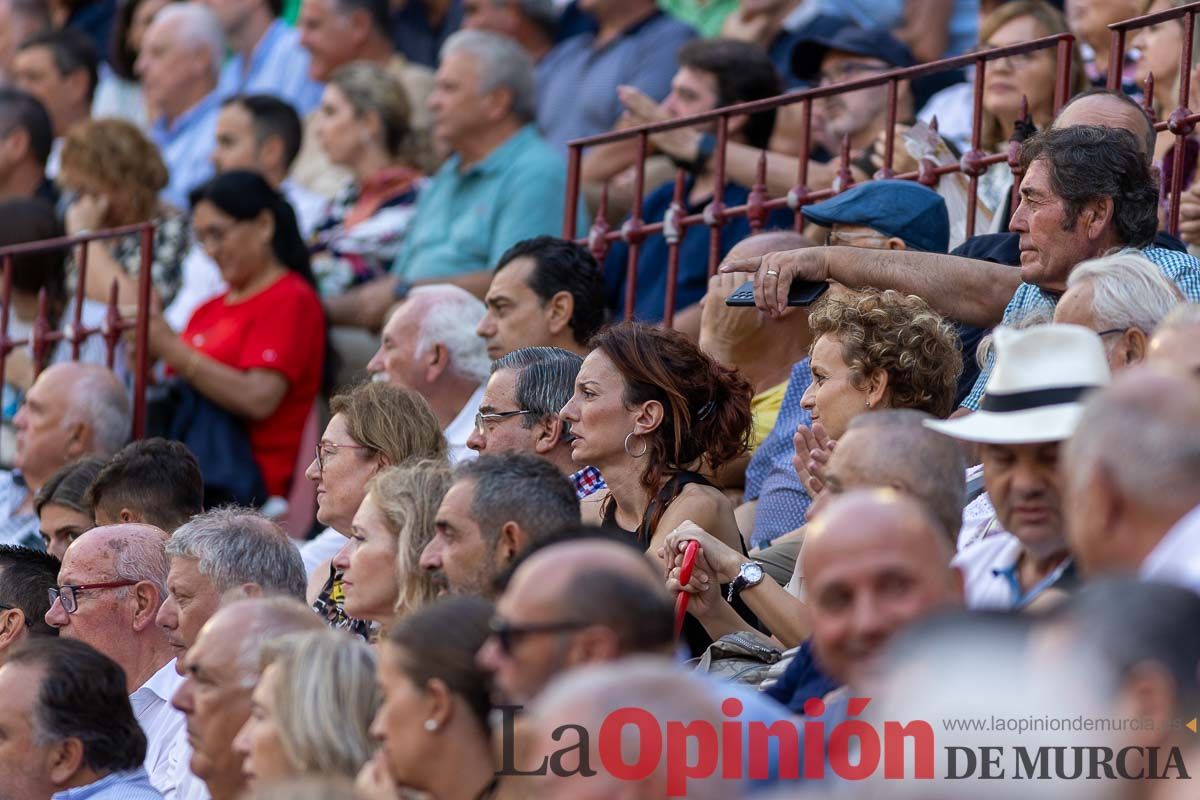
(694, 635)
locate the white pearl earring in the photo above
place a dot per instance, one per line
(431, 725)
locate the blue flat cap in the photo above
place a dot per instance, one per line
(905, 209)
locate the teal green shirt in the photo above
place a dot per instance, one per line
(466, 219)
(706, 16)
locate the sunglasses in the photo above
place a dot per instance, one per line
(509, 635)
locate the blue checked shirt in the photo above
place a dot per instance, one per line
(771, 478)
(131, 785)
(19, 529)
(278, 66)
(1181, 268)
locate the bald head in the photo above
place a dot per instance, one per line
(770, 242)
(71, 411)
(246, 625)
(874, 562)
(126, 566)
(610, 594)
(1173, 346)
(1109, 110)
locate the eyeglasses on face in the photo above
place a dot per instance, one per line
(835, 238)
(325, 451)
(508, 634)
(68, 594)
(482, 419)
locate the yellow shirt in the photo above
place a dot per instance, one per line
(764, 408)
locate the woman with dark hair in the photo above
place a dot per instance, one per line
(118, 92)
(433, 728)
(650, 410)
(61, 511)
(257, 350)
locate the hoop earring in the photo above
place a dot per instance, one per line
(645, 446)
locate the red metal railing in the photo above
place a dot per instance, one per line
(1180, 120)
(43, 336)
(635, 230)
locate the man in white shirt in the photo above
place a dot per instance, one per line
(429, 346)
(110, 586)
(1133, 479)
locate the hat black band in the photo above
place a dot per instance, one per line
(1036, 398)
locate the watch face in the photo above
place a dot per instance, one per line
(753, 572)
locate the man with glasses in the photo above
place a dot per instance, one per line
(110, 586)
(26, 576)
(497, 507)
(519, 411)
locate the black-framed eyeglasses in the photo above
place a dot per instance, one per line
(7, 607)
(508, 634)
(1110, 331)
(481, 418)
(67, 594)
(327, 449)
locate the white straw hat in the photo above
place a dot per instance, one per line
(1033, 394)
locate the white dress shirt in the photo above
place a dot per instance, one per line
(459, 429)
(163, 725)
(1176, 558)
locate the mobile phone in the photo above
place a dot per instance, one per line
(800, 293)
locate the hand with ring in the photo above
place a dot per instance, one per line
(785, 266)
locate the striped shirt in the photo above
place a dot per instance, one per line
(131, 785)
(278, 66)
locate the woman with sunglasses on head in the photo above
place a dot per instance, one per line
(372, 427)
(652, 411)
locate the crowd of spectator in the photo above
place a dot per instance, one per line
(423, 500)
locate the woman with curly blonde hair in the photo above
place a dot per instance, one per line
(114, 174)
(872, 350)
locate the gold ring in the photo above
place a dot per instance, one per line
(773, 272)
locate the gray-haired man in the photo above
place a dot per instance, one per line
(228, 550)
(532, 384)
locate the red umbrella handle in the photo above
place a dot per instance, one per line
(685, 575)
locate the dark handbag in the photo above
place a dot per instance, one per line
(218, 439)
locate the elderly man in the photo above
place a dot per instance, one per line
(545, 292)
(178, 64)
(72, 410)
(1133, 479)
(155, 481)
(1121, 297)
(221, 669)
(266, 55)
(335, 33)
(533, 383)
(533, 24)
(111, 584)
(26, 578)
(69, 730)
(502, 183)
(27, 137)
(497, 507)
(428, 346)
(1108, 199)
(635, 45)
(1173, 346)
(1031, 406)
(222, 554)
(59, 69)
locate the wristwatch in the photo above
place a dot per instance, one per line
(749, 574)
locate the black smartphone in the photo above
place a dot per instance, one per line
(800, 293)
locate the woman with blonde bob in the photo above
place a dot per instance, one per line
(381, 574)
(311, 710)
